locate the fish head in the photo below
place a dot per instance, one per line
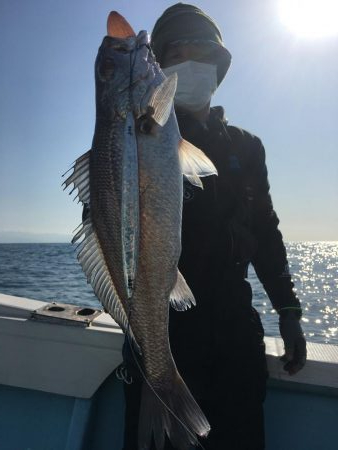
(112, 76)
(126, 71)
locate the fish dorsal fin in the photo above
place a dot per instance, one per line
(89, 251)
(162, 99)
(80, 178)
(91, 257)
(195, 163)
(118, 27)
(181, 297)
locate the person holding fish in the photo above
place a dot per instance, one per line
(218, 344)
(152, 243)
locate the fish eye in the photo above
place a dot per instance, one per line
(145, 125)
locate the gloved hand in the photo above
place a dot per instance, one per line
(294, 341)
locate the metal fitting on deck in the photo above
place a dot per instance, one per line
(65, 314)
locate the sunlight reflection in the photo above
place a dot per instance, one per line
(314, 268)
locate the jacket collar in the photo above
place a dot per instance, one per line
(192, 130)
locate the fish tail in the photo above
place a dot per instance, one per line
(172, 412)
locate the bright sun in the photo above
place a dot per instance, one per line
(310, 18)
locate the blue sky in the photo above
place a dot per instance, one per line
(281, 87)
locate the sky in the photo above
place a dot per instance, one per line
(280, 86)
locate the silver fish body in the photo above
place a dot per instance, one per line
(131, 180)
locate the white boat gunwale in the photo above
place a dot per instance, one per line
(52, 357)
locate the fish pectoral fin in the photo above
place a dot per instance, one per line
(90, 254)
(181, 297)
(195, 163)
(161, 101)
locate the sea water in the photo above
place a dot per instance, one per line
(50, 272)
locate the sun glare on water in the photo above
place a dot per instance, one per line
(310, 18)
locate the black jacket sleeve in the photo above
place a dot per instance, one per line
(270, 259)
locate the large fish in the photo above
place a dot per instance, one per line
(131, 185)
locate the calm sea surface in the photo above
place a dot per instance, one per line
(50, 272)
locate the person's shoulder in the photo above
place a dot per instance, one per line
(245, 144)
(247, 138)
(236, 133)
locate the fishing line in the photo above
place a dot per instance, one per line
(153, 390)
(132, 58)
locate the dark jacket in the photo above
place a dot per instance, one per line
(226, 226)
(231, 222)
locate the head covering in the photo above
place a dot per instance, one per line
(183, 23)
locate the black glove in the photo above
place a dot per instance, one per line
(294, 341)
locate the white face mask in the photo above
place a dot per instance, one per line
(195, 84)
